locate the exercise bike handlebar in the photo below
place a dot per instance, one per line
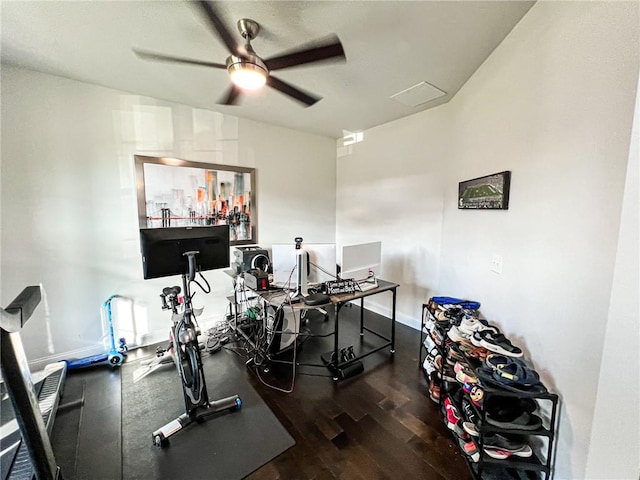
(171, 293)
(191, 257)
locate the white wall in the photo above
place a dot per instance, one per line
(390, 189)
(69, 211)
(614, 456)
(553, 104)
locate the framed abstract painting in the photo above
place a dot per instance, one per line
(179, 193)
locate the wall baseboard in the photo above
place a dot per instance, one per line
(39, 363)
(386, 311)
(162, 335)
(158, 336)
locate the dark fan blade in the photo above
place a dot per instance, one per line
(218, 27)
(311, 52)
(292, 91)
(169, 58)
(231, 97)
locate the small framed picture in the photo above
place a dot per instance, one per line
(485, 193)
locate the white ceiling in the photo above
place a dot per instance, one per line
(390, 46)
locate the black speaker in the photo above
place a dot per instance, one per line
(251, 258)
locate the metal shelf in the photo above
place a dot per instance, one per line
(509, 466)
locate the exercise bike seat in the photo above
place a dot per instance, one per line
(167, 291)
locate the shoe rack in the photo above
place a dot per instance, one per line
(481, 464)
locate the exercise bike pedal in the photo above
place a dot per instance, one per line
(160, 441)
(237, 406)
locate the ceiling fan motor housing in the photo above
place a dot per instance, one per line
(248, 28)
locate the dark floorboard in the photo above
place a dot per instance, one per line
(93, 432)
(379, 424)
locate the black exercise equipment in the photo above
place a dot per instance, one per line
(185, 350)
(346, 365)
(33, 454)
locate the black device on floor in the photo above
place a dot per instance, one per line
(344, 366)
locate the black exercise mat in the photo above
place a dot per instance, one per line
(66, 427)
(227, 446)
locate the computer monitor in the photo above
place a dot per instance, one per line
(283, 262)
(322, 265)
(319, 264)
(163, 248)
(358, 260)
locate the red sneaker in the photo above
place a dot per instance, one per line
(469, 448)
(434, 392)
(453, 418)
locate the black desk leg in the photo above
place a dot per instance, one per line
(393, 323)
(362, 317)
(336, 328)
(235, 308)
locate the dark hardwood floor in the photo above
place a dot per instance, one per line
(379, 424)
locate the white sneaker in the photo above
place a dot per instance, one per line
(471, 325)
(457, 335)
(471, 429)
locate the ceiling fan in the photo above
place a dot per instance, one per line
(246, 69)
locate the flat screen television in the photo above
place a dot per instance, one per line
(163, 249)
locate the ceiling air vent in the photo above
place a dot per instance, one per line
(420, 93)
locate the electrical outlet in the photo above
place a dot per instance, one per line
(496, 264)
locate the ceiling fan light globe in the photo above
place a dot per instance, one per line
(248, 79)
(246, 74)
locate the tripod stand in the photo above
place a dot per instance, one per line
(186, 355)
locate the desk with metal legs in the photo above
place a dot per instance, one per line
(331, 359)
(342, 299)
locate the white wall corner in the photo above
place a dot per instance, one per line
(614, 450)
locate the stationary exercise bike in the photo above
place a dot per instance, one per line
(185, 351)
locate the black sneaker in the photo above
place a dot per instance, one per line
(472, 421)
(455, 315)
(504, 441)
(525, 421)
(469, 412)
(508, 408)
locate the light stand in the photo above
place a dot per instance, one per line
(301, 272)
